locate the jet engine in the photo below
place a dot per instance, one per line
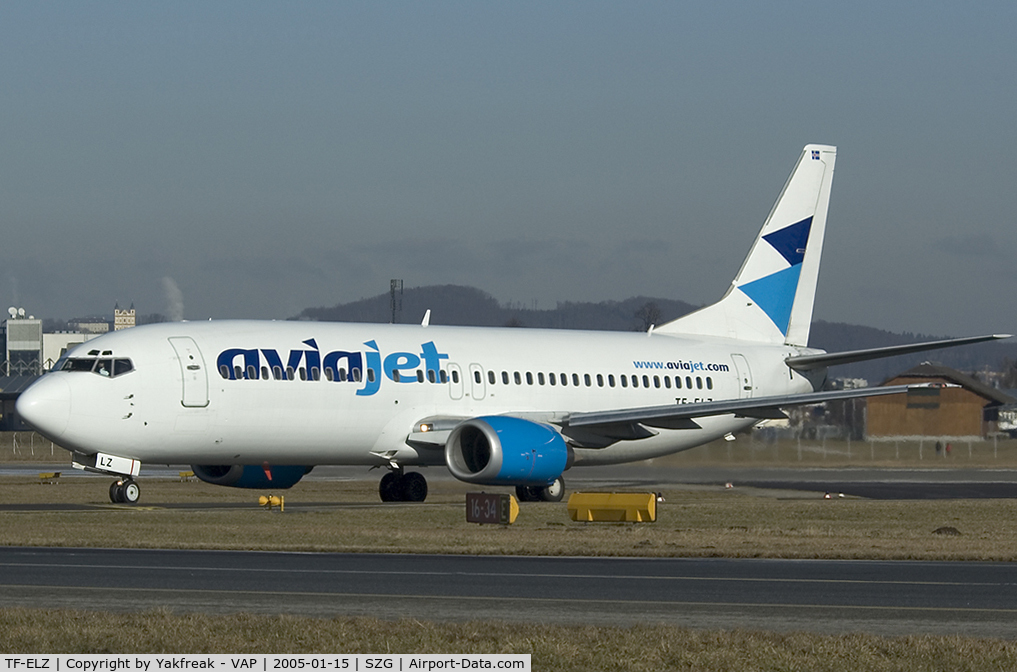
(249, 475)
(502, 450)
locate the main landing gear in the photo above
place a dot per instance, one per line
(124, 491)
(397, 486)
(550, 493)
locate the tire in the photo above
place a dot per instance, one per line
(390, 487)
(131, 493)
(116, 492)
(525, 493)
(414, 487)
(553, 492)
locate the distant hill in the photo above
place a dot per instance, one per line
(468, 306)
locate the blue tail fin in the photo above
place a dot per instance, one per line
(771, 298)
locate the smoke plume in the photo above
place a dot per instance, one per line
(174, 300)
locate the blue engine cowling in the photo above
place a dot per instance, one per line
(249, 475)
(502, 450)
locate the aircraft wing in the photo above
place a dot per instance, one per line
(602, 428)
(807, 362)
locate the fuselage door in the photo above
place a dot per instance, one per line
(193, 372)
(455, 381)
(744, 375)
(477, 381)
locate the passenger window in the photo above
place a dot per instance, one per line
(357, 375)
(656, 381)
(315, 373)
(667, 382)
(238, 372)
(490, 377)
(677, 382)
(444, 376)
(329, 375)
(370, 375)
(476, 377)
(564, 380)
(395, 375)
(688, 382)
(252, 372)
(635, 381)
(224, 370)
(553, 379)
(540, 378)
(264, 373)
(646, 381)
(277, 372)
(575, 379)
(586, 379)
(529, 378)
(342, 375)
(455, 376)
(624, 380)
(420, 376)
(290, 373)
(709, 383)
(430, 375)
(504, 377)
(303, 373)
(699, 383)
(517, 378)
(600, 380)
(610, 380)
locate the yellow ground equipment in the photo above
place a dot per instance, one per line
(630, 507)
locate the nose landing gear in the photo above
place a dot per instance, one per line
(124, 491)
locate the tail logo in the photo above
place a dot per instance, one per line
(775, 293)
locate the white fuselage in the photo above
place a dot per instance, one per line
(277, 395)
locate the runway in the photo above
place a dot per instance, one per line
(890, 598)
(867, 482)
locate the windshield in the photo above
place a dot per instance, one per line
(106, 367)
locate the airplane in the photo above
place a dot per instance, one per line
(258, 404)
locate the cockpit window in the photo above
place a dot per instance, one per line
(79, 364)
(105, 367)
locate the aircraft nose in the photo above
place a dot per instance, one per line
(46, 405)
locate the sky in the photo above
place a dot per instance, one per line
(250, 159)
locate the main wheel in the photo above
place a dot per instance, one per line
(414, 487)
(390, 487)
(525, 493)
(131, 492)
(553, 492)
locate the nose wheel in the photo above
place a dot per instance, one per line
(124, 491)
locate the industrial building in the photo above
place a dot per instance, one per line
(963, 409)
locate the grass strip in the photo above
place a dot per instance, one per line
(345, 516)
(558, 648)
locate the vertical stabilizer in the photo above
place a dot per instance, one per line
(771, 298)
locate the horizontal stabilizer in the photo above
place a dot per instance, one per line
(809, 362)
